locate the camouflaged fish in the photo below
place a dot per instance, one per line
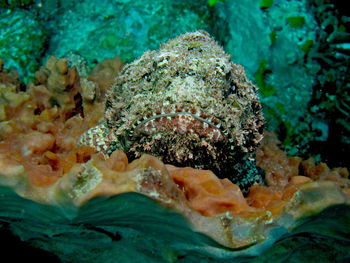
(187, 104)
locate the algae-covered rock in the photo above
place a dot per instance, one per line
(271, 39)
(292, 79)
(15, 3)
(124, 28)
(247, 39)
(21, 41)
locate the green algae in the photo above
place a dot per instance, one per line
(266, 3)
(265, 89)
(296, 21)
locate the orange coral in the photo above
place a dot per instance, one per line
(8, 77)
(211, 196)
(208, 194)
(279, 168)
(105, 73)
(63, 83)
(283, 171)
(321, 172)
(43, 124)
(94, 89)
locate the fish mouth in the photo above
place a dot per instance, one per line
(181, 119)
(182, 135)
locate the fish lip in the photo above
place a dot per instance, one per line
(174, 115)
(197, 113)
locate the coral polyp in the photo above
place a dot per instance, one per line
(187, 104)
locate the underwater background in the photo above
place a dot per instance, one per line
(297, 52)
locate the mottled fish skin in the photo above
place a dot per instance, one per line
(187, 104)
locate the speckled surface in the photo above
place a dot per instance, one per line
(185, 103)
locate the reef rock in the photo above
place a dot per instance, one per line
(187, 104)
(22, 40)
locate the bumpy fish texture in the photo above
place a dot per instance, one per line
(187, 104)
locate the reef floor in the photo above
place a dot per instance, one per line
(60, 188)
